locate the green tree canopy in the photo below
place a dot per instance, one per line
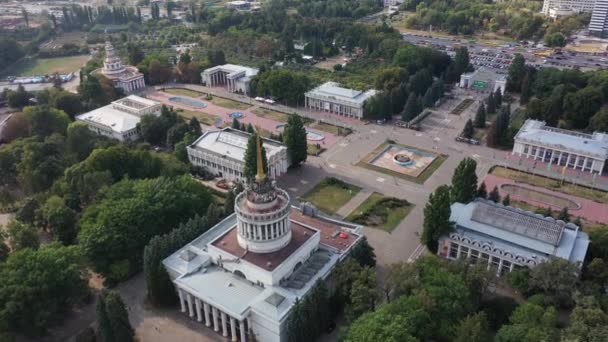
(294, 137)
(436, 217)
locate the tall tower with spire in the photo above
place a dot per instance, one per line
(112, 63)
(262, 212)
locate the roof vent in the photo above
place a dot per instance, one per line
(269, 264)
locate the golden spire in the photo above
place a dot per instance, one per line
(260, 176)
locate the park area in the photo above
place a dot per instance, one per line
(406, 162)
(48, 66)
(330, 194)
(218, 101)
(381, 212)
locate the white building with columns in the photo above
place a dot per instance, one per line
(222, 152)
(242, 276)
(507, 238)
(119, 119)
(332, 98)
(236, 78)
(579, 151)
(126, 77)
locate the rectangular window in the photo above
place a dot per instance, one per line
(464, 251)
(485, 257)
(506, 267)
(526, 148)
(495, 262)
(453, 250)
(474, 256)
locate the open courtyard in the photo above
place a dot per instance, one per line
(48, 66)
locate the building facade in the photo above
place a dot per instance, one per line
(236, 78)
(330, 97)
(242, 277)
(119, 119)
(507, 238)
(555, 8)
(598, 26)
(483, 80)
(126, 77)
(222, 152)
(578, 151)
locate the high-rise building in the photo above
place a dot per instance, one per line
(557, 8)
(598, 26)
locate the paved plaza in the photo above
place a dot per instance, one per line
(412, 163)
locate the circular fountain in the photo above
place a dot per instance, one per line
(235, 115)
(402, 159)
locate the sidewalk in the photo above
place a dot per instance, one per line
(354, 202)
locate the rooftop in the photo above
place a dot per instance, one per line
(524, 229)
(233, 143)
(334, 90)
(233, 69)
(113, 117)
(538, 132)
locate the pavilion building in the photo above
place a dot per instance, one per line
(236, 78)
(560, 147)
(222, 152)
(330, 97)
(507, 238)
(119, 119)
(126, 77)
(242, 277)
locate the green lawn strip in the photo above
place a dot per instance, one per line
(422, 177)
(329, 128)
(331, 194)
(378, 211)
(230, 104)
(462, 106)
(204, 118)
(271, 114)
(48, 66)
(551, 184)
(183, 92)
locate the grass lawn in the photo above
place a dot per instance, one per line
(329, 128)
(47, 66)
(271, 114)
(331, 194)
(551, 184)
(435, 164)
(226, 103)
(313, 150)
(204, 118)
(183, 92)
(462, 106)
(378, 211)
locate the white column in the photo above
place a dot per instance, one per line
(207, 318)
(458, 252)
(537, 153)
(216, 326)
(224, 325)
(576, 161)
(190, 306)
(584, 164)
(243, 332)
(499, 267)
(182, 302)
(568, 159)
(199, 315)
(233, 329)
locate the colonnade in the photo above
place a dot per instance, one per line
(214, 317)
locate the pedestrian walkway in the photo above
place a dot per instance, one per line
(354, 202)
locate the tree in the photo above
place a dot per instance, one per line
(38, 286)
(21, 236)
(587, 323)
(480, 117)
(526, 89)
(17, 126)
(230, 198)
(507, 200)
(4, 250)
(529, 322)
(250, 167)
(135, 54)
(363, 294)
(473, 328)
(296, 324)
(113, 318)
(60, 219)
(564, 215)
(411, 109)
(236, 124)
(494, 195)
(18, 98)
(482, 192)
(195, 127)
(80, 140)
(556, 39)
(294, 137)
(427, 99)
(364, 253)
(557, 278)
(464, 181)
(436, 217)
(468, 130)
(46, 121)
(491, 103)
(516, 73)
(115, 230)
(498, 96)
(580, 106)
(68, 102)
